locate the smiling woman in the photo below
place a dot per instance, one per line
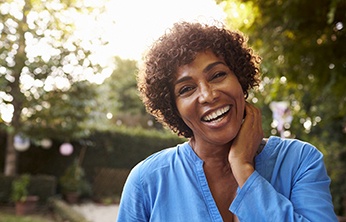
(208, 80)
(195, 79)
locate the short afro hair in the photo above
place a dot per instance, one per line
(179, 47)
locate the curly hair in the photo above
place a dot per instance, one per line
(179, 47)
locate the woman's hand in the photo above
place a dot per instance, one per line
(245, 145)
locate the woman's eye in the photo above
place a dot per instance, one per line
(219, 74)
(185, 89)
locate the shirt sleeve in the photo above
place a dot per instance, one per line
(309, 197)
(132, 204)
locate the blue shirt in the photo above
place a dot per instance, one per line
(290, 183)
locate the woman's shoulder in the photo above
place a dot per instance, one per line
(292, 156)
(159, 160)
(290, 143)
(293, 148)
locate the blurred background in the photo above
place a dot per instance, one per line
(70, 115)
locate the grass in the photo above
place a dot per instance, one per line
(6, 217)
(7, 214)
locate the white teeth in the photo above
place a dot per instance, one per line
(216, 114)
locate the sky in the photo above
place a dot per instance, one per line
(137, 23)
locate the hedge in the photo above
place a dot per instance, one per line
(43, 186)
(119, 149)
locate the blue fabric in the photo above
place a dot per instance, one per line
(290, 183)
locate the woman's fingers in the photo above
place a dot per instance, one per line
(246, 144)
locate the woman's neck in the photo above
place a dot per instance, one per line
(212, 155)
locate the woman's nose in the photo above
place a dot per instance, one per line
(207, 94)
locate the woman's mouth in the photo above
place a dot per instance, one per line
(217, 114)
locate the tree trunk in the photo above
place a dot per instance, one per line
(11, 157)
(17, 95)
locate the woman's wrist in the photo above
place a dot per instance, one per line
(241, 172)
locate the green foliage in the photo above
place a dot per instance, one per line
(42, 67)
(303, 49)
(43, 186)
(125, 147)
(47, 64)
(122, 87)
(118, 102)
(117, 148)
(63, 114)
(73, 180)
(5, 188)
(20, 188)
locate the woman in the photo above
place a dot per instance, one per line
(196, 80)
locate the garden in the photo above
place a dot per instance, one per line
(72, 126)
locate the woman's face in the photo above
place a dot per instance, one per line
(209, 99)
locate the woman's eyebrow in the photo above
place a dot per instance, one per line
(211, 65)
(182, 79)
(206, 69)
